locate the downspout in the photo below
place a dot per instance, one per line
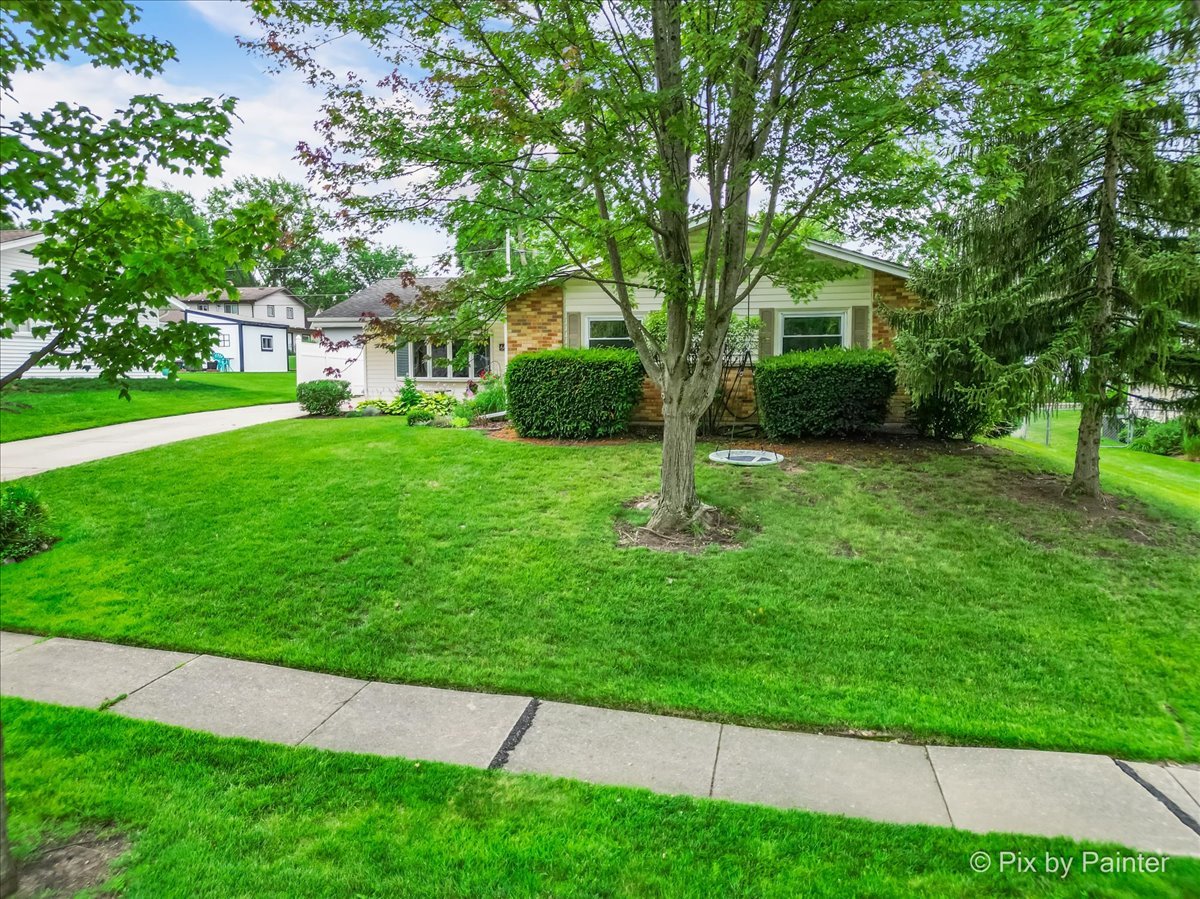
(241, 347)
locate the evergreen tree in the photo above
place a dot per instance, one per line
(1072, 270)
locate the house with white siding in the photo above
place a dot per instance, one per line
(16, 255)
(244, 343)
(258, 305)
(376, 371)
(571, 311)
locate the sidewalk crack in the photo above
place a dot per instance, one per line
(1184, 818)
(341, 705)
(110, 703)
(937, 780)
(519, 729)
(712, 781)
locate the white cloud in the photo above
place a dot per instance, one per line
(272, 121)
(225, 15)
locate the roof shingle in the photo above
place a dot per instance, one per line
(369, 300)
(245, 295)
(15, 234)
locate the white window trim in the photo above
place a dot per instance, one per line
(586, 337)
(408, 349)
(291, 312)
(270, 311)
(843, 314)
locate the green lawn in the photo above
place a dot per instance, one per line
(38, 406)
(948, 597)
(1168, 481)
(215, 817)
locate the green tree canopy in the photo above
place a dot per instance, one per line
(318, 269)
(607, 133)
(114, 251)
(1071, 268)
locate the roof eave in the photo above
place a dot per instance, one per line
(22, 242)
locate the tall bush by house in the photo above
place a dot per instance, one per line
(821, 393)
(953, 398)
(322, 397)
(573, 394)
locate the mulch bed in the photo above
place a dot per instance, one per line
(509, 433)
(712, 528)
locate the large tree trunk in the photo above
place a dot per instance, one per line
(686, 396)
(1085, 479)
(8, 870)
(677, 501)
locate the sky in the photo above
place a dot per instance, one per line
(277, 110)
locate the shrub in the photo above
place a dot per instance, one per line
(573, 394)
(437, 403)
(420, 416)
(954, 413)
(490, 396)
(410, 398)
(824, 392)
(1164, 438)
(1191, 447)
(22, 524)
(322, 397)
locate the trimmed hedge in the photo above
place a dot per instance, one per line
(821, 393)
(573, 394)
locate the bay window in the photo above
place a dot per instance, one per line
(441, 361)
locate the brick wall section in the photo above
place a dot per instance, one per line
(893, 292)
(535, 321)
(739, 400)
(649, 408)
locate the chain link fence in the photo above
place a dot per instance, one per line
(1060, 424)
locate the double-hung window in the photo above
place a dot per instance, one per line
(442, 361)
(291, 313)
(230, 308)
(812, 330)
(270, 311)
(608, 332)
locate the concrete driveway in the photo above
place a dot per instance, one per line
(25, 457)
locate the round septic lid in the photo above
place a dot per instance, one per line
(745, 457)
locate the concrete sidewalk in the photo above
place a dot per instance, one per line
(38, 454)
(1145, 806)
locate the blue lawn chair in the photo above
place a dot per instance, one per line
(222, 362)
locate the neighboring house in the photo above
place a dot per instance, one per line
(573, 312)
(16, 256)
(271, 305)
(248, 345)
(376, 371)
